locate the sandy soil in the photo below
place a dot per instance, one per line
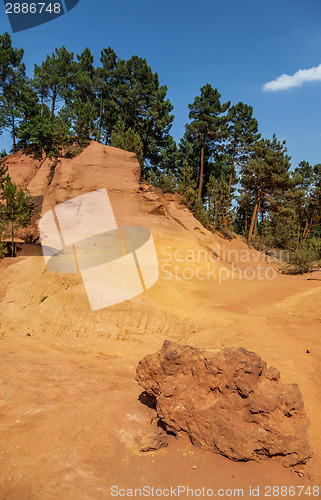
(70, 417)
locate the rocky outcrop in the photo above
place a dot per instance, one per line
(154, 441)
(229, 402)
(52, 182)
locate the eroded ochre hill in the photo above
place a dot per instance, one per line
(70, 413)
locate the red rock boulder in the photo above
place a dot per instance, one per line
(229, 402)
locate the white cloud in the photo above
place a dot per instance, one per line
(284, 81)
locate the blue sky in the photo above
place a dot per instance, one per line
(235, 45)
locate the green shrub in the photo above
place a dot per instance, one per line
(200, 213)
(227, 233)
(315, 246)
(166, 182)
(128, 140)
(74, 150)
(3, 248)
(301, 261)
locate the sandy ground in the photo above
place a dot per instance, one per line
(70, 417)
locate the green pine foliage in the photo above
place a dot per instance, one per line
(217, 199)
(128, 140)
(12, 85)
(301, 261)
(229, 177)
(207, 126)
(15, 209)
(187, 184)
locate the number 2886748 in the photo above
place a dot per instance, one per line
(33, 8)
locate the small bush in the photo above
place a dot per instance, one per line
(301, 261)
(73, 150)
(227, 233)
(315, 245)
(166, 182)
(3, 249)
(43, 298)
(52, 170)
(199, 212)
(128, 140)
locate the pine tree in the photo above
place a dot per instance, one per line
(314, 207)
(265, 175)
(208, 123)
(80, 98)
(12, 81)
(187, 184)
(143, 105)
(216, 199)
(128, 140)
(106, 84)
(82, 115)
(15, 210)
(45, 134)
(243, 132)
(53, 79)
(4, 176)
(303, 182)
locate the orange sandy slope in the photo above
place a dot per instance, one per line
(70, 414)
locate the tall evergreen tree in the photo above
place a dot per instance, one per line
(106, 84)
(12, 81)
(216, 191)
(54, 77)
(243, 132)
(80, 98)
(314, 206)
(264, 175)
(143, 105)
(303, 181)
(208, 123)
(15, 209)
(187, 184)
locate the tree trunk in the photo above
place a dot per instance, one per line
(309, 226)
(298, 236)
(12, 240)
(229, 189)
(256, 219)
(305, 229)
(200, 186)
(237, 211)
(100, 116)
(53, 104)
(249, 238)
(14, 134)
(197, 173)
